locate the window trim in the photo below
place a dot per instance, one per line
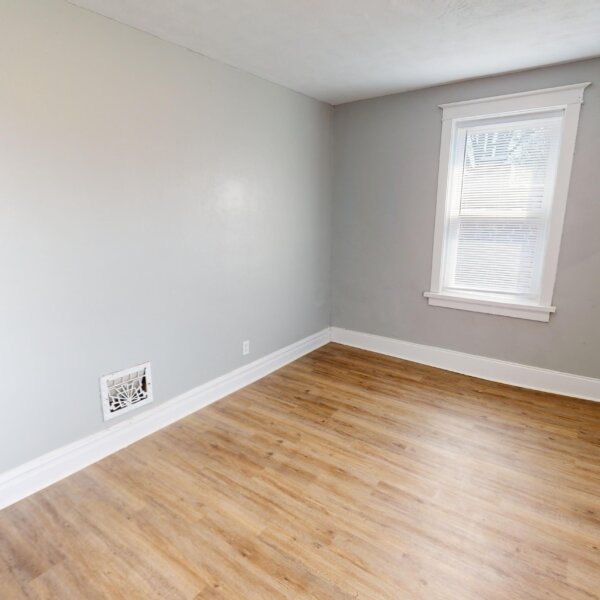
(568, 98)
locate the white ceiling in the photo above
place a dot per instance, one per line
(343, 50)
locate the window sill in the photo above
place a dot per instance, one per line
(533, 312)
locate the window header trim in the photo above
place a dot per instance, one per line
(544, 99)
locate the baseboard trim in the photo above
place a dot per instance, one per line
(534, 378)
(41, 472)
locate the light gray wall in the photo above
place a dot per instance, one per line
(154, 205)
(386, 161)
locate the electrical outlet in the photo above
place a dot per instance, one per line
(245, 347)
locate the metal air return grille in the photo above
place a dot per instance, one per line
(126, 390)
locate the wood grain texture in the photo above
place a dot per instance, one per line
(345, 475)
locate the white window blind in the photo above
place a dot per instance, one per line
(501, 182)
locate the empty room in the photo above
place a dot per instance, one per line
(297, 299)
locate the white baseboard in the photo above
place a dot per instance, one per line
(41, 472)
(492, 369)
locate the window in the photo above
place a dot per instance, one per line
(505, 165)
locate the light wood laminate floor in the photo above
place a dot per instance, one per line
(345, 475)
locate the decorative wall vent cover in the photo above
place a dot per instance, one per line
(126, 390)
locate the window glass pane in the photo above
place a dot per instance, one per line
(497, 255)
(503, 183)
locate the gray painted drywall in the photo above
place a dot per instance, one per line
(386, 154)
(154, 205)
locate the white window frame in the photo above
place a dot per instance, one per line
(567, 98)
